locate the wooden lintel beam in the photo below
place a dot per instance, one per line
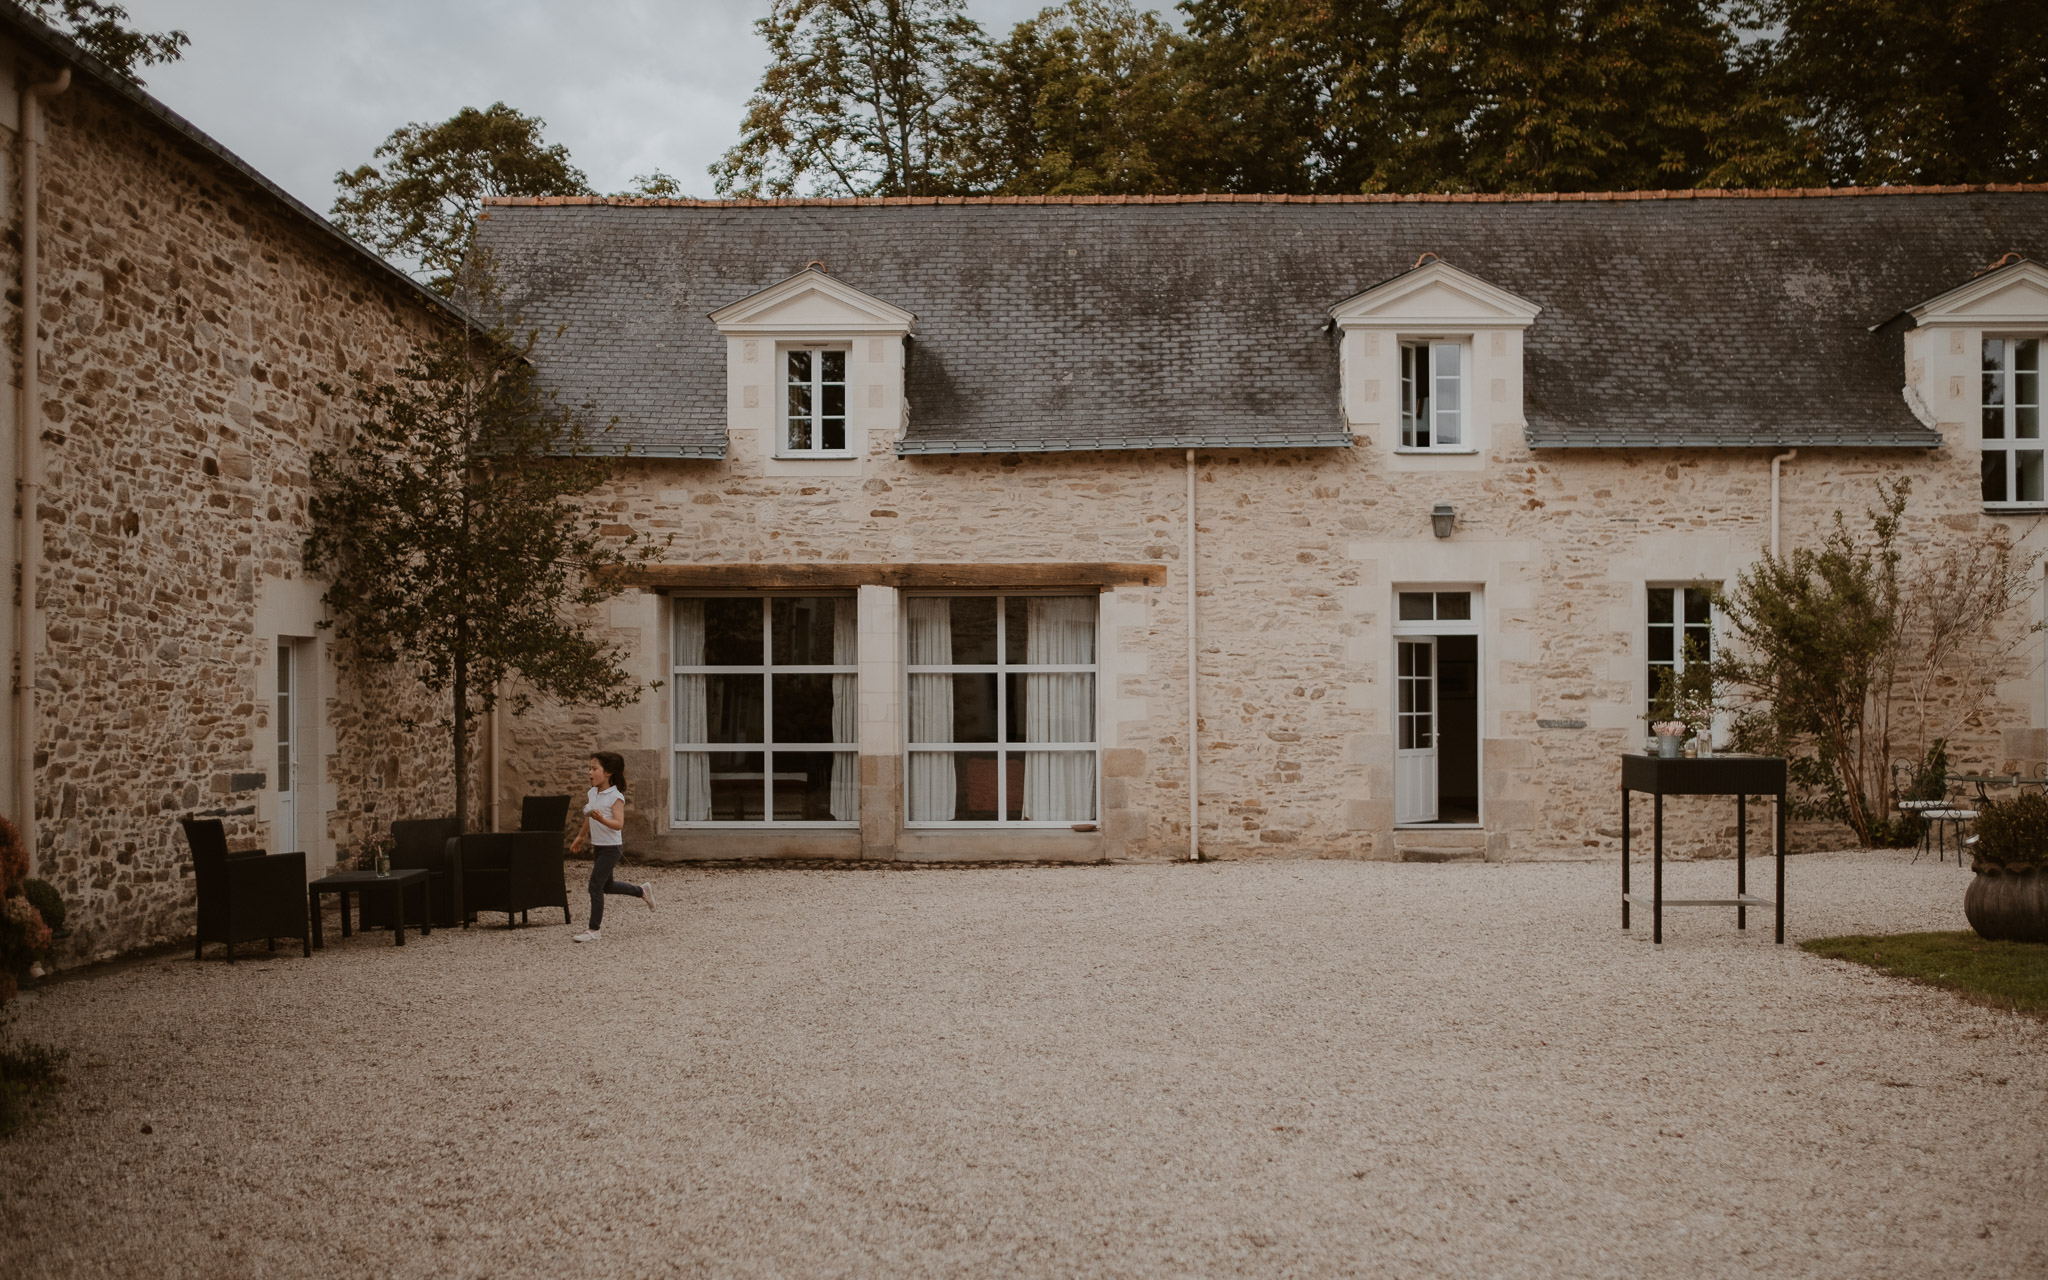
(916, 577)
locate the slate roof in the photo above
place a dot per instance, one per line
(62, 51)
(1684, 319)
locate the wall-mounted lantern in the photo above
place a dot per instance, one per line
(1442, 519)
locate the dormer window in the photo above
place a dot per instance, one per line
(1432, 395)
(814, 401)
(2011, 420)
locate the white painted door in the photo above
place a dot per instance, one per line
(1415, 732)
(287, 748)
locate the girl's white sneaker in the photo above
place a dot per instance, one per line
(588, 935)
(647, 895)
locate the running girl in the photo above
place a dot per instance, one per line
(605, 831)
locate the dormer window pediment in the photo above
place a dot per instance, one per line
(812, 303)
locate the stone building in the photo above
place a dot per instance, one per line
(1077, 528)
(185, 311)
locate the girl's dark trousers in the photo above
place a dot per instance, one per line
(605, 860)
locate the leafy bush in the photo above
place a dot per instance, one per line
(24, 938)
(2013, 833)
(49, 904)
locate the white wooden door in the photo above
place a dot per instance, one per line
(1415, 732)
(287, 748)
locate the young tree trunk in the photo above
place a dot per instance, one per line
(461, 727)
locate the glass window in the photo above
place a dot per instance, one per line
(2010, 418)
(1681, 630)
(1001, 709)
(1435, 606)
(814, 401)
(766, 722)
(1432, 395)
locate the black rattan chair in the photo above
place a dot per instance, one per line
(544, 813)
(245, 895)
(422, 843)
(512, 872)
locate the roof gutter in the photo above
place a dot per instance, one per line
(28, 461)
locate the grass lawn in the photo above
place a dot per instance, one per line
(2004, 975)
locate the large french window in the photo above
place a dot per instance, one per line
(2012, 422)
(766, 722)
(1432, 395)
(814, 401)
(1001, 709)
(1681, 629)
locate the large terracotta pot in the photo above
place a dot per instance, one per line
(2009, 905)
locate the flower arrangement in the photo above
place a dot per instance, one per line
(1670, 728)
(374, 854)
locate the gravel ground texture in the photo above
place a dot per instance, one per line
(1273, 1069)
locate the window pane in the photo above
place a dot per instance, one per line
(737, 787)
(2027, 476)
(833, 365)
(1454, 606)
(931, 708)
(804, 707)
(1994, 475)
(732, 632)
(974, 630)
(1057, 630)
(1446, 355)
(1699, 606)
(934, 786)
(692, 718)
(832, 400)
(1661, 643)
(1057, 786)
(1994, 354)
(1057, 707)
(815, 786)
(1417, 606)
(1661, 604)
(974, 707)
(975, 795)
(800, 367)
(1016, 629)
(732, 708)
(832, 433)
(804, 630)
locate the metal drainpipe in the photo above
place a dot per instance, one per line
(28, 464)
(1783, 457)
(1194, 706)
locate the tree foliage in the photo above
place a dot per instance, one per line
(102, 30)
(420, 201)
(453, 535)
(859, 99)
(1846, 659)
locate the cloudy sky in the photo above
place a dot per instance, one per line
(302, 88)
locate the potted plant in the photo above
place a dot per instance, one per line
(2008, 897)
(1670, 736)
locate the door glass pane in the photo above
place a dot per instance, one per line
(974, 630)
(733, 709)
(1454, 606)
(2027, 475)
(732, 632)
(801, 629)
(738, 786)
(1994, 475)
(1417, 606)
(284, 718)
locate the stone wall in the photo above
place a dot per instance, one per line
(188, 320)
(1300, 553)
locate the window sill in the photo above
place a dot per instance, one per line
(819, 456)
(2016, 509)
(1434, 453)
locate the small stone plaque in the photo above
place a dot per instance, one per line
(245, 782)
(1560, 724)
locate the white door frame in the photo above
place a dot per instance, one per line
(1475, 626)
(1416, 796)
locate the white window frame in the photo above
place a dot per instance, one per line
(1677, 592)
(1002, 749)
(765, 669)
(2006, 448)
(784, 447)
(1459, 417)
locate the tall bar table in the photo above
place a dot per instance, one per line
(1717, 775)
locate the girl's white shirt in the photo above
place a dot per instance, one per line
(602, 802)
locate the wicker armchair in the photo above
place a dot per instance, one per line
(422, 843)
(512, 872)
(543, 813)
(244, 896)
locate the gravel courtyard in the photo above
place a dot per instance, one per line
(1301, 1068)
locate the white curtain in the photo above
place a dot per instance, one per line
(1059, 707)
(845, 711)
(932, 781)
(693, 768)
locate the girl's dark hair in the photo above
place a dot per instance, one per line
(614, 766)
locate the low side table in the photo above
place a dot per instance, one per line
(1718, 775)
(364, 883)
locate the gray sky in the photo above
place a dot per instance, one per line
(302, 88)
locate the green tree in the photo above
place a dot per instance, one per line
(1913, 91)
(1084, 99)
(861, 98)
(420, 202)
(102, 30)
(453, 534)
